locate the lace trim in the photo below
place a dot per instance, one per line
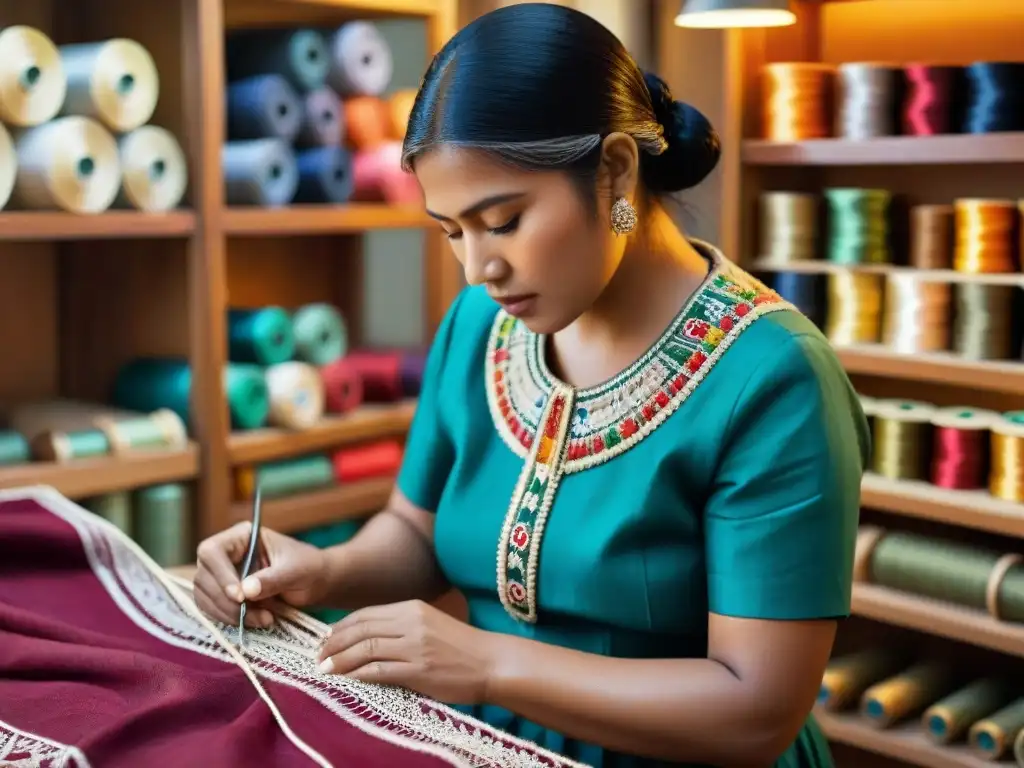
(20, 749)
(162, 605)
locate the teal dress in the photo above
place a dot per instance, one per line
(719, 473)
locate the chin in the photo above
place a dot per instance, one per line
(544, 326)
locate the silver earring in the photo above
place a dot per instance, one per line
(623, 217)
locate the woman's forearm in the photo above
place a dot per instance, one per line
(388, 561)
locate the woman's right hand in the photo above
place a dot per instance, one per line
(288, 569)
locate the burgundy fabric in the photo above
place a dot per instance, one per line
(76, 669)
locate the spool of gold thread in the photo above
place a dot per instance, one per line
(994, 736)
(947, 720)
(985, 236)
(847, 677)
(983, 321)
(906, 694)
(797, 103)
(931, 236)
(789, 226)
(854, 307)
(1006, 474)
(917, 313)
(902, 439)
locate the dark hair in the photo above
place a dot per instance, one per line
(541, 85)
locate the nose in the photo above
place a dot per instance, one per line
(482, 264)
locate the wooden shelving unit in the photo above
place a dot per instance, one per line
(895, 150)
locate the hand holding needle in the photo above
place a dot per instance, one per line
(250, 556)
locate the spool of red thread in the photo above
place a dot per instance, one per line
(931, 99)
(380, 372)
(363, 462)
(379, 176)
(960, 451)
(343, 386)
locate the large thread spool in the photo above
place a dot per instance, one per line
(902, 439)
(789, 226)
(854, 313)
(866, 100)
(154, 170)
(931, 100)
(858, 225)
(360, 60)
(263, 336)
(69, 164)
(985, 236)
(400, 105)
(279, 479)
(847, 677)
(32, 79)
(296, 395)
(323, 124)
(367, 122)
(379, 459)
(115, 508)
(8, 166)
(298, 55)
(1006, 473)
(115, 82)
(263, 107)
(343, 387)
(906, 694)
(379, 176)
(948, 719)
(162, 518)
(381, 373)
(320, 334)
(931, 236)
(995, 97)
(797, 105)
(14, 448)
(262, 172)
(960, 447)
(994, 736)
(917, 313)
(804, 290)
(982, 326)
(325, 175)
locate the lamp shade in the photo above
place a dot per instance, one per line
(722, 14)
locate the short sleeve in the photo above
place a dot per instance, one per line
(781, 522)
(429, 450)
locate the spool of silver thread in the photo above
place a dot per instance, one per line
(982, 325)
(917, 312)
(789, 226)
(865, 100)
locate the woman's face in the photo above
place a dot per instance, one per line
(527, 236)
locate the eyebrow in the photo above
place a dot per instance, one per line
(481, 205)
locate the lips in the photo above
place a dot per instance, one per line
(507, 301)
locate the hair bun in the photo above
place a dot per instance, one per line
(693, 145)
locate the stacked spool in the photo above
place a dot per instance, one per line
(789, 227)
(986, 236)
(858, 226)
(74, 132)
(159, 518)
(917, 312)
(866, 99)
(308, 121)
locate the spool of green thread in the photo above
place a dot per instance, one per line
(847, 677)
(320, 334)
(858, 225)
(950, 718)
(14, 448)
(161, 429)
(163, 523)
(997, 734)
(68, 446)
(263, 336)
(906, 694)
(115, 508)
(287, 478)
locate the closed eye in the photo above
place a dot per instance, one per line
(506, 228)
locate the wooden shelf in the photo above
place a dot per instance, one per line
(310, 510)
(937, 618)
(92, 477)
(367, 423)
(979, 510)
(323, 219)
(905, 743)
(243, 13)
(967, 149)
(112, 225)
(938, 275)
(936, 367)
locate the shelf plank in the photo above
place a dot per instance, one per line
(367, 423)
(112, 225)
(892, 150)
(245, 13)
(92, 477)
(936, 367)
(905, 743)
(932, 617)
(979, 510)
(310, 510)
(323, 219)
(820, 266)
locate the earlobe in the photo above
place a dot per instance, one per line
(620, 161)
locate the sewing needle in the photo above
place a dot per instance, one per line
(254, 538)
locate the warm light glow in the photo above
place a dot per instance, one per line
(749, 17)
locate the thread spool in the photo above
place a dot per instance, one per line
(296, 395)
(323, 124)
(162, 519)
(1006, 473)
(789, 226)
(320, 334)
(950, 718)
(380, 459)
(62, 447)
(866, 100)
(279, 479)
(904, 695)
(298, 55)
(32, 79)
(115, 82)
(995, 97)
(381, 374)
(325, 176)
(917, 313)
(412, 365)
(984, 236)
(858, 225)
(982, 328)
(262, 336)
(263, 107)
(902, 439)
(806, 291)
(248, 396)
(161, 430)
(931, 236)
(847, 677)
(154, 170)
(8, 166)
(115, 508)
(360, 60)
(960, 440)
(854, 314)
(994, 736)
(367, 122)
(262, 172)
(343, 387)
(69, 164)
(400, 105)
(379, 176)
(796, 107)
(931, 100)
(14, 448)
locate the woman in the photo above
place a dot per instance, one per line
(640, 466)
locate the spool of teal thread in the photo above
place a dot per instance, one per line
(278, 479)
(14, 448)
(320, 334)
(263, 336)
(247, 395)
(162, 521)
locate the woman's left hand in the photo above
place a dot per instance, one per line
(412, 645)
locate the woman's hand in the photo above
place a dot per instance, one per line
(412, 645)
(289, 570)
